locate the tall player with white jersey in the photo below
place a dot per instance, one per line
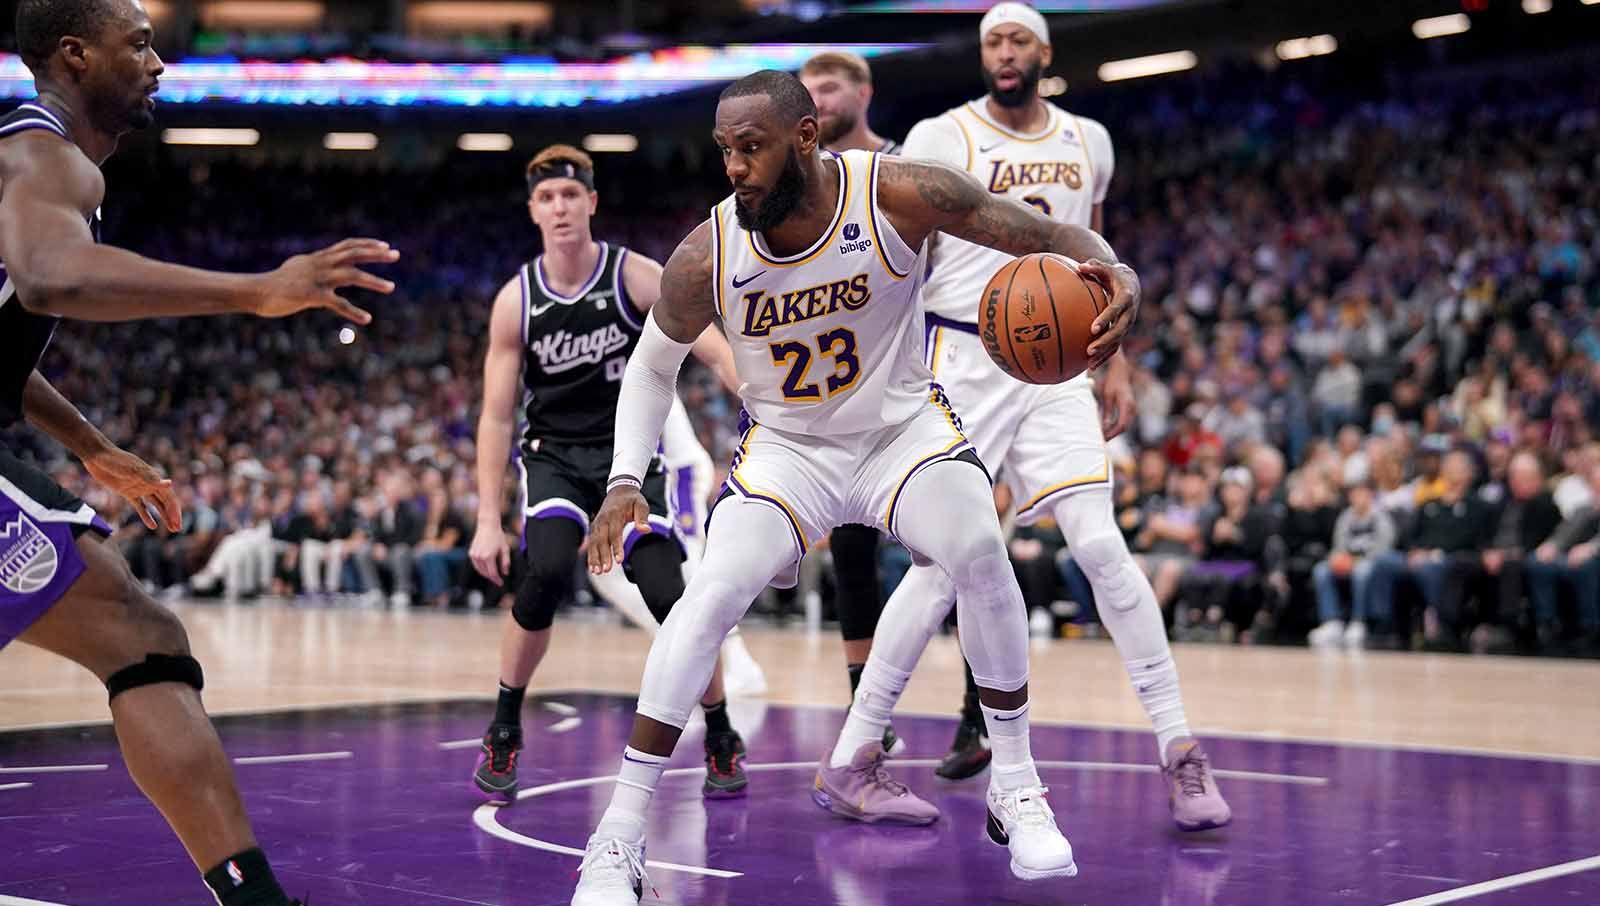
(1046, 441)
(813, 266)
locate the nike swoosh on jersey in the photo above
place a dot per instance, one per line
(985, 149)
(737, 283)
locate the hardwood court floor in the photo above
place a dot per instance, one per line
(280, 657)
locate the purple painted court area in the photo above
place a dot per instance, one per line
(396, 822)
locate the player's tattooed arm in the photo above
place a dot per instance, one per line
(924, 197)
(688, 294)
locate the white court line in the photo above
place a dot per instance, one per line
(55, 769)
(284, 759)
(1265, 736)
(14, 786)
(19, 901)
(487, 816)
(1505, 883)
(570, 721)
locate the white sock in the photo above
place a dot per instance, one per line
(1155, 681)
(1012, 766)
(630, 799)
(876, 695)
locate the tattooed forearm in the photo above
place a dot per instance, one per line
(1013, 227)
(688, 294)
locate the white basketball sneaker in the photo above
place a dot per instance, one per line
(612, 873)
(1021, 821)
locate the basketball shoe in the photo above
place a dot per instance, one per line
(612, 873)
(1021, 820)
(725, 776)
(496, 774)
(864, 791)
(1192, 791)
(969, 754)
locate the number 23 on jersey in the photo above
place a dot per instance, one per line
(838, 344)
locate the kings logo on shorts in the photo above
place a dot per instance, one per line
(28, 557)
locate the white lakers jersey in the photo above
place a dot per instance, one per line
(830, 340)
(1063, 170)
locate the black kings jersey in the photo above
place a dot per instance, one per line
(575, 351)
(23, 334)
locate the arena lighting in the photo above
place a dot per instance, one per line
(350, 141)
(262, 15)
(1155, 64)
(484, 141)
(1439, 26)
(238, 137)
(1300, 48)
(1535, 7)
(981, 6)
(601, 142)
(512, 83)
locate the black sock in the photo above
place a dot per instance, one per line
(855, 678)
(508, 710)
(246, 880)
(717, 718)
(970, 710)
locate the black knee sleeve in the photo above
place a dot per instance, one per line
(855, 563)
(656, 567)
(157, 668)
(547, 581)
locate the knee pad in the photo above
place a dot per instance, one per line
(544, 589)
(988, 578)
(1105, 560)
(157, 668)
(655, 567)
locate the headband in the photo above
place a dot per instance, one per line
(1014, 14)
(560, 169)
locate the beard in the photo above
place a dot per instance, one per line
(780, 201)
(837, 126)
(1027, 86)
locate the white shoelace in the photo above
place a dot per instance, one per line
(612, 857)
(1027, 806)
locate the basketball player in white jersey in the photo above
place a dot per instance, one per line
(1046, 440)
(812, 266)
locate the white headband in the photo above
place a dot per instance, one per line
(1009, 13)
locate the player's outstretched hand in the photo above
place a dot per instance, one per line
(312, 280)
(1114, 323)
(490, 553)
(136, 481)
(623, 505)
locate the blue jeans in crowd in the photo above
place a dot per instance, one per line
(1544, 584)
(435, 566)
(1329, 607)
(1389, 568)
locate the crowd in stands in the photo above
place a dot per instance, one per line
(1368, 369)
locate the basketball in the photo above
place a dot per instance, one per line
(1035, 316)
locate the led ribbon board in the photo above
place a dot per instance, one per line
(512, 83)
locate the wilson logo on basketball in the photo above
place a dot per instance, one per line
(28, 557)
(852, 233)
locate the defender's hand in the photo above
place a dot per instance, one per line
(623, 504)
(490, 553)
(139, 483)
(310, 280)
(1114, 323)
